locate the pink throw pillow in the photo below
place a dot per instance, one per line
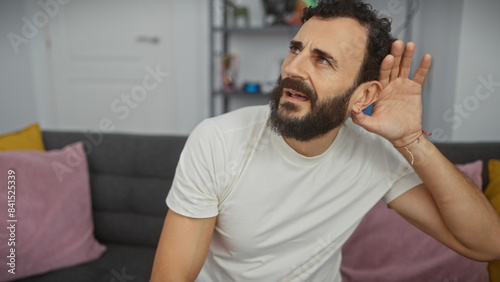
(50, 212)
(385, 247)
(474, 171)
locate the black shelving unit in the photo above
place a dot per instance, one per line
(225, 32)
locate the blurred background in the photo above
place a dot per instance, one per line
(162, 66)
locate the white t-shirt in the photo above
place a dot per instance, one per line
(281, 216)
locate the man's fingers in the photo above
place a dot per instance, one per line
(423, 69)
(385, 70)
(405, 67)
(364, 121)
(396, 51)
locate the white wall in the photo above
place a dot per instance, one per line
(436, 30)
(461, 35)
(190, 60)
(476, 112)
(17, 106)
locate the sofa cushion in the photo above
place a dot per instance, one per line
(130, 176)
(492, 192)
(460, 153)
(118, 263)
(473, 171)
(29, 138)
(52, 208)
(385, 247)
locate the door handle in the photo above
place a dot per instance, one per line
(148, 39)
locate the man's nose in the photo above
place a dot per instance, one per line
(297, 67)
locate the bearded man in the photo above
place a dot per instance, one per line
(257, 189)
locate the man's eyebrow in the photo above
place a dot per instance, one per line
(296, 44)
(327, 56)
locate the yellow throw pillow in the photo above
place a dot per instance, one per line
(492, 192)
(28, 138)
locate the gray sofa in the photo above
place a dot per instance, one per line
(130, 177)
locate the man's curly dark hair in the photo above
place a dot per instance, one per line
(379, 40)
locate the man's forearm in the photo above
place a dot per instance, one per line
(465, 210)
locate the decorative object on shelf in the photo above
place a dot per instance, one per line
(229, 72)
(368, 111)
(295, 18)
(238, 12)
(251, 87)
(310, 3)
(277, 10)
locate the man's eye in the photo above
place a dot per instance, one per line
(294, 50)
(323, 61)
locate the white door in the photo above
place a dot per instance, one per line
(110, 63)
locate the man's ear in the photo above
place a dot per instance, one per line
(366, 94)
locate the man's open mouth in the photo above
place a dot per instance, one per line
(296, 95)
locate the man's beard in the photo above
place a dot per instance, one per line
(323, 116)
